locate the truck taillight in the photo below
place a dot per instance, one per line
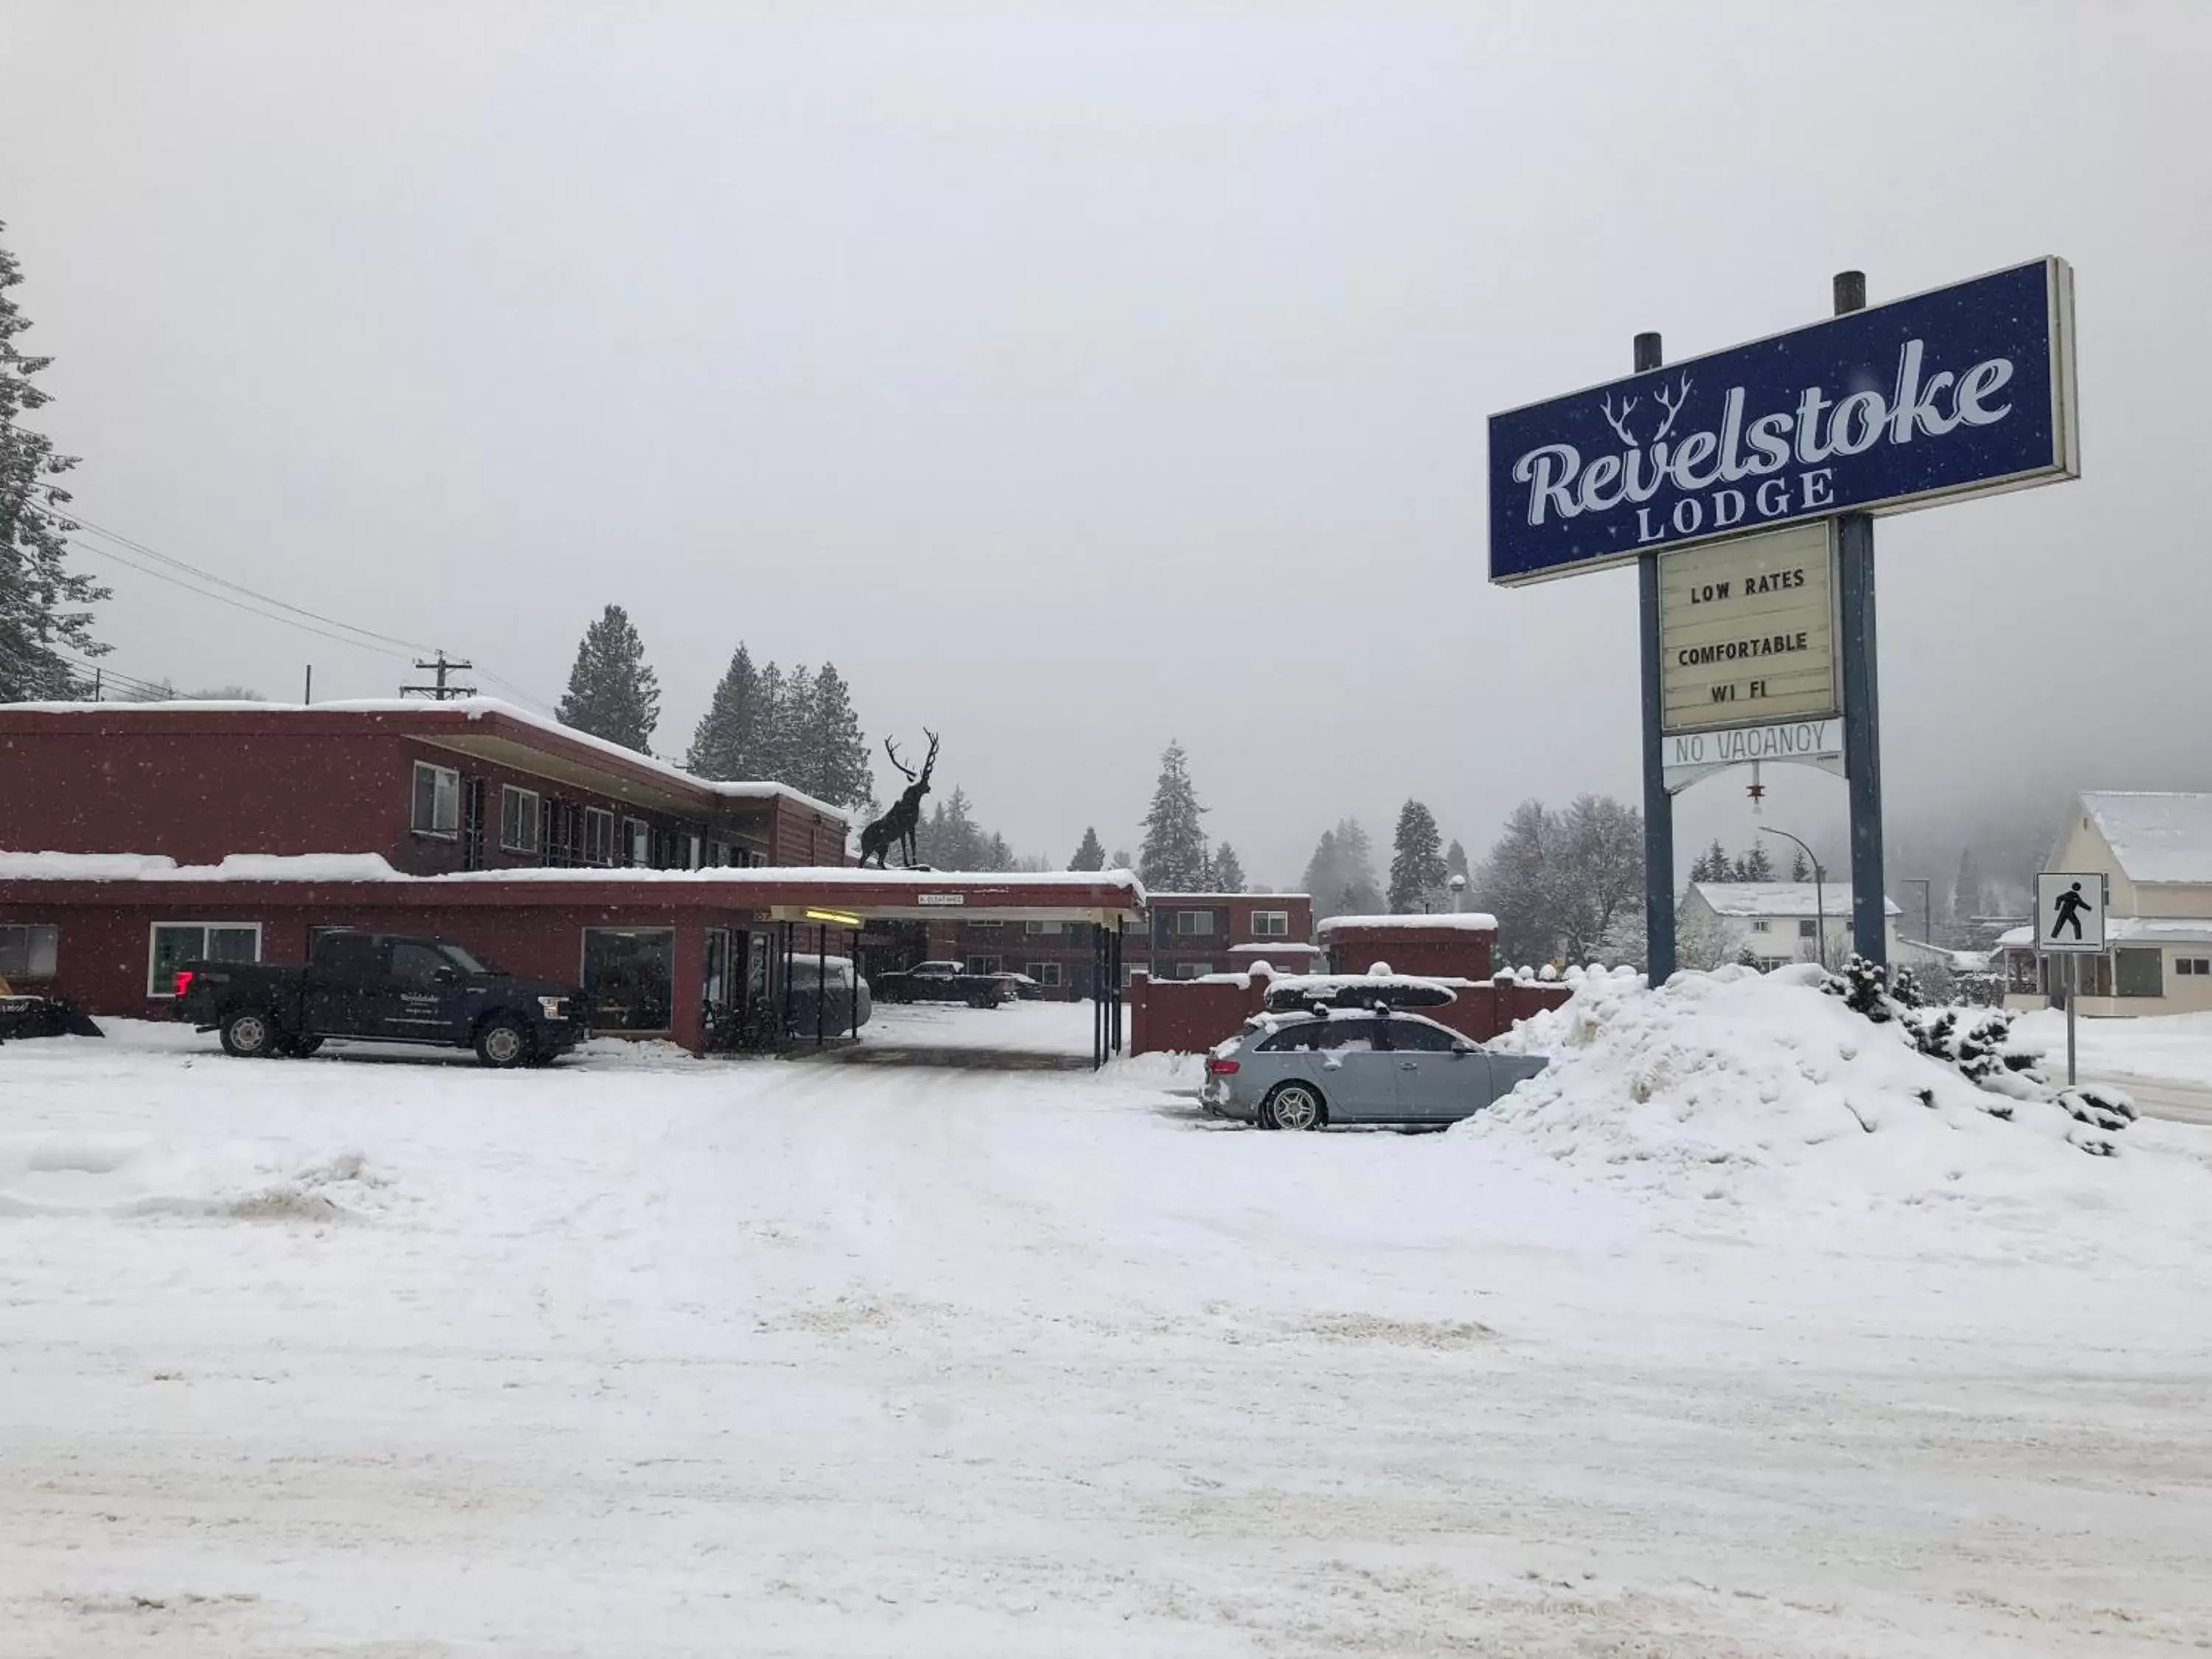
(1217, 1067)
(184, 981)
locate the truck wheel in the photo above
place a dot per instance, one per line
(248, 1036)
(501, 1042)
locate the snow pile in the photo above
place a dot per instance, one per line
(1726, 1083)
(142, 1176)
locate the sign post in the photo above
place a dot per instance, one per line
(2069, 922)
(1962, 391)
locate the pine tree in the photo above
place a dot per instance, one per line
(612, 693)
(727, 744)
(1754, 865)
(1122, 860)
(1713, 865)
(1417, 863)
(45, 608)
(1799, 869)
(1089, 855)
(1172, 859)
(1341, 875)
(1966, 892)
(837, 752)
(1456, 858)
(1227, 875)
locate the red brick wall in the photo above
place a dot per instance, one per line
(1188, 1017)
(1444, 952)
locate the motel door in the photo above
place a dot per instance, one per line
(718, 988)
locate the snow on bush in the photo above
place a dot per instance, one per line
(1724, 1079)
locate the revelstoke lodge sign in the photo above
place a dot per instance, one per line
(1962, 390)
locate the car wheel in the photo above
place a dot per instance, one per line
(249, 1036)
(1293, 1106)
(502, 1042)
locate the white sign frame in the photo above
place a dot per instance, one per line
(1687, 757)
(2090, 918)
(1821, 624)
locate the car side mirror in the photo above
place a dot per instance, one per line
(1462, 1048)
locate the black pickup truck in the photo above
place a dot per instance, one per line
(383, 988)
(943, 981)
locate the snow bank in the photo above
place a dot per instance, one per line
(143, 1176)
(1738, 1085)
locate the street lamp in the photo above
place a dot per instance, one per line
(1819, 903)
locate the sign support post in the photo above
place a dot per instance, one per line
(1658, 805)
(1861, 701)
(2072, 996)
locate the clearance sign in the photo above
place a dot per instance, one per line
(1747, 632)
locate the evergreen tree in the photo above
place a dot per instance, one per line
(727, 744)
(1456, 858)
(1563, 884)
(1799, 869)
(45, 608)
(1713, 865)
(1122, 860)
(1172, 859)
(1341, 875)
(1227, 875)
(1754, 865)
(1966, 891)
(837, 752)
(612, 694)
(1417, 863)
(1089, 855)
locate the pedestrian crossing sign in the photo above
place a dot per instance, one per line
(2069, 911)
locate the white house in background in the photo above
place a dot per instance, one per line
(1779, 922)
(2157, 850)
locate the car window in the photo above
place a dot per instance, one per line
(1416, 1036)
(416, 963)
(1296, 1037)
(351, 956)
(467, 961)
(1347, 1036)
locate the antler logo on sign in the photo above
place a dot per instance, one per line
(1959, 391)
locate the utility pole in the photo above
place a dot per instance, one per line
(1658, 805)
(440, 666)
(1861, 701)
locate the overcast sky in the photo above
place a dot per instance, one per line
(1078, 377)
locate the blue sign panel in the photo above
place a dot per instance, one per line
(1959, 391)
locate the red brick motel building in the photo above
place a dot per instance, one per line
(134, 836)
(1180, 936)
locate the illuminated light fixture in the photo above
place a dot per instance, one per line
(836, 916)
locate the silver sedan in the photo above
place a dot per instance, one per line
(1350, 1066)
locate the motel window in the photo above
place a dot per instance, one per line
(1807, 930)
(1045, 973)
(982, 922)
(630, 977)
(2199, 966)
(695, 852)
(1194, 922)
(1271, 924)
(639, 834)
(2139, 973)
(176, 943)
(1034, 927)
(982, 965)
(29, 951)
(517, 819)
(1193, 969)
(437, 808)
(598, 836)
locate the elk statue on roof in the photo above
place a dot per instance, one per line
(897, 826)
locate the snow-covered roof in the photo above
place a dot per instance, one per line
(1220, 898)
(474, 708)
(2128, 930)
(373, 866)
(1470, 922)
(1782, 898)
(2156, 837)
(1274, 947)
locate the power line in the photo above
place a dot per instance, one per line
(383, 640)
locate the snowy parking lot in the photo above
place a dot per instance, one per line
(647, 1355)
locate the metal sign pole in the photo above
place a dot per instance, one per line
(1861, 701)
(2072, 996)
(1658, 805)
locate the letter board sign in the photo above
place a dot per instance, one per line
(2069, 911)
(1748, 631)
(1962, 390)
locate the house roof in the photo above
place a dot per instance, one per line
(462, 719)
(1465, 921)
(1782, 898)
(2156, 837)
